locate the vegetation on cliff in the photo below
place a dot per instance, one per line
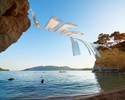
(111, 40)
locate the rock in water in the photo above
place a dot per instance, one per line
(10, 79)
(13, 21)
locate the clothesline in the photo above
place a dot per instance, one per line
(90, 47)
(63, 29)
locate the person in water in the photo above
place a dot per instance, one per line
(42, 81)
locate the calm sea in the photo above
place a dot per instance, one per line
(27, 84)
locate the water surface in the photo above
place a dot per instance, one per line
(27, 84)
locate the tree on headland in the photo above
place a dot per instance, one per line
(102, 39)
(117, 36)
(110, 40)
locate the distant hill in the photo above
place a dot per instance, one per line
(49, 68)
(1, 69)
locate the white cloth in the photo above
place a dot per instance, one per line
(34, 19)
(65, 27)
(86, 45)
(91, 48)
(95, 49)
(72, 32)
(75, 47)
(53, 22)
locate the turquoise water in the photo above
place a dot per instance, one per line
(27, 84)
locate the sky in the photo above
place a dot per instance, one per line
(41, 47)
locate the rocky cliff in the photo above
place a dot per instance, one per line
(112, 60)
(13, 21)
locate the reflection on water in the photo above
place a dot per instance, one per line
(27, 84)
(110, 81)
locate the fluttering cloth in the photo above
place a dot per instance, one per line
(34, 19)
(90, 47)
(65, 27)
(75, 47)
(53, 22)
(72, 32)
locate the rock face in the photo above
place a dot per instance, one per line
(112, 60)
(13, 21)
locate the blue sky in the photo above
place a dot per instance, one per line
(41, 47)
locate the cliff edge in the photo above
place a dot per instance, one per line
(113, 57)
(13, 21)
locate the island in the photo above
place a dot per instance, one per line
(53, 68)
(1, 69)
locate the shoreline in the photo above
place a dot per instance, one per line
(118, 94)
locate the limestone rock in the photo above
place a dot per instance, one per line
(112, 60)
(13, 21)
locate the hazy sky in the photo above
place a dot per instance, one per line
(41, 47)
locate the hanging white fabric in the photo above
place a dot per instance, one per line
(34, 19)
(72, 32)
(95, 49)
(85, 45)
(90, 47)
(53, 22)
(65, 27)
(75, 47)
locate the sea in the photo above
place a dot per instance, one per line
(27, 84)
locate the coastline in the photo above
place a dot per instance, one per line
(111, 95)
(106, 81)
(118, 94)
